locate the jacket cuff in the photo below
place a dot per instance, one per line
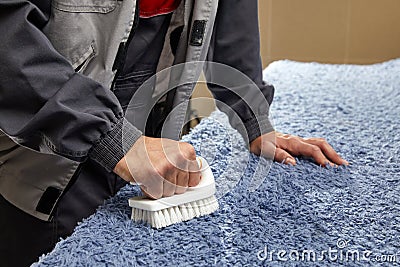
(113, 147)
(257, 126)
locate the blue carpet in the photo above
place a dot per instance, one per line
(334, 212)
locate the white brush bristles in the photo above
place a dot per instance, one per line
(162, 218)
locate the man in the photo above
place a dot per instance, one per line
(69, 69)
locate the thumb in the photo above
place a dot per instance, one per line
(283, 156)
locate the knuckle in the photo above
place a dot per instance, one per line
(185, 180)
(170, 181)
(194, 180)
(163, 170)
(191, 152)
(295, 142)
(166, 167)
(295, 145)
(315, 149)
(187, 153)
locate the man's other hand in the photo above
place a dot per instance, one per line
(287, 146)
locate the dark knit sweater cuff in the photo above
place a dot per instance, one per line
(113, 147)
(257, 127)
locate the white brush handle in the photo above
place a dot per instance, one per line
(204, 189)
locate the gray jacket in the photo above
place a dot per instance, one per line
(58, 65)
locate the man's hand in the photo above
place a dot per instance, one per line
(288, 146)
(162, 167)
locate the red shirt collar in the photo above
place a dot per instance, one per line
(151, 8)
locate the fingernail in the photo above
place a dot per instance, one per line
(345, 162)
(291, 161)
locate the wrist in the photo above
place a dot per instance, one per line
(255, 145)
(264, 144)
(121, 168)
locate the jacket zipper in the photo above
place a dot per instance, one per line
(123, 48)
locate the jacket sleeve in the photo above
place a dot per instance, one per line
(236, 43)
(44, 104)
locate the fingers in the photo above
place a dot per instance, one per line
(316, 153)
(182, 181)
(169, 186)
(153, 187)
(194, 173)
(188, 177)
(176, 182)
(283, 156)
(327, 149)
(144, 191)
(316, 148)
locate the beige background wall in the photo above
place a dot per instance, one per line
(331, 31)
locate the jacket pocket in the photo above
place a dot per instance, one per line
(72, 33)
(81, 64)
(90, 6)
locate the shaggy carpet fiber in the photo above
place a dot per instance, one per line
(271, 214)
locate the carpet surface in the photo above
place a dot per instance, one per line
(288, 216)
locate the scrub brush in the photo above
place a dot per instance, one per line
(195, 202)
